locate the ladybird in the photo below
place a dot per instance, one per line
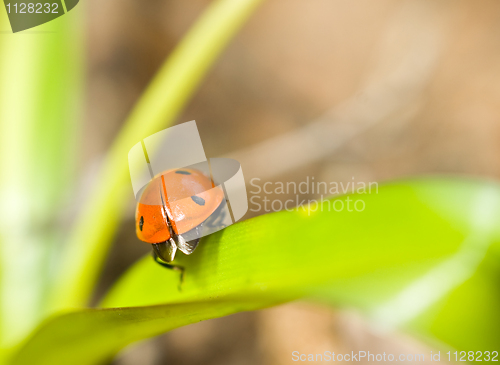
(172, 204)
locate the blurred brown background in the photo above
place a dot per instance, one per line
(333, 89)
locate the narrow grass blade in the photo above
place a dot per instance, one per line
(40, 91)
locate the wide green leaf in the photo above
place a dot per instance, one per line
(422, 256)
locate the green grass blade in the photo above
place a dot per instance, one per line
(425, 250)
(93, 336)
(41, 78)
(161, 103)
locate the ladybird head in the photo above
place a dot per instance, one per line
(150, 224)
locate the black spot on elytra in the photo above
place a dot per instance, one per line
(182, 172)
(198, 200)
(141, 223)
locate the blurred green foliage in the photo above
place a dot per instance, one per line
(40, 105)
(423, 256)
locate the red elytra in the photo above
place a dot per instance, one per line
(187, 196)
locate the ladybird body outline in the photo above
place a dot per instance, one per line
(175, 202)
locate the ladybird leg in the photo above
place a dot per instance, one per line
(217, 217)
(193, 244)
(165, 250)
(186, 247)
(220, 219)
(171, 267)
